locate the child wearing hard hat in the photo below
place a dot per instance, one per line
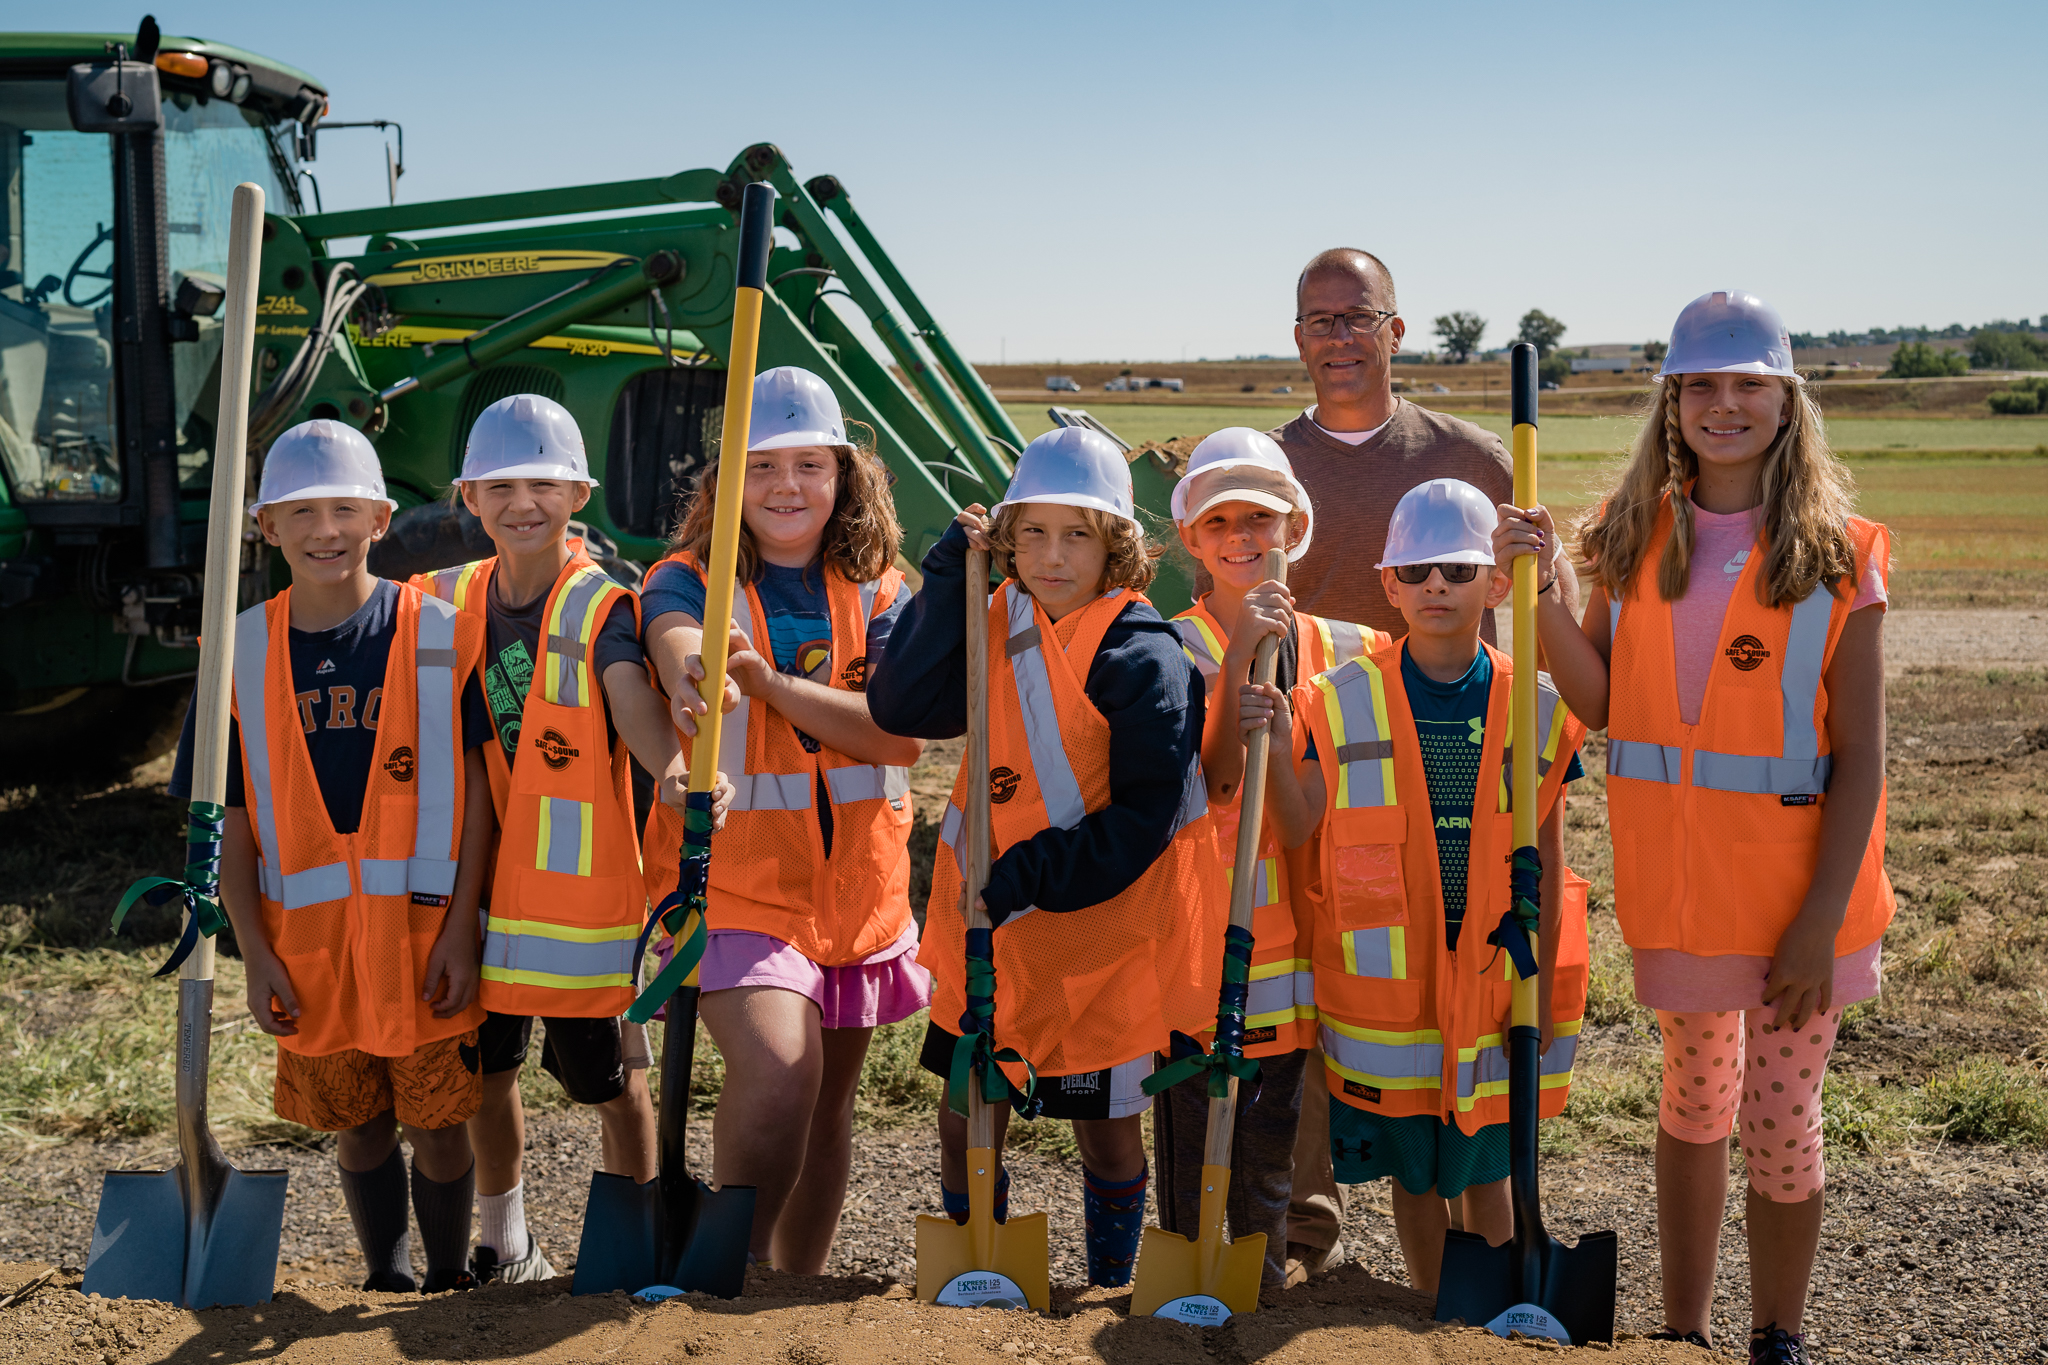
(1404, 767)
(1733, 648)
(569, 697)
(356, 849)
(811, 942)
(1238, 500)
(1104, 940)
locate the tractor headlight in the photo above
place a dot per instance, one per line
(220, 80)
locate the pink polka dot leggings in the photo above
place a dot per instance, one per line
(1719, 1063)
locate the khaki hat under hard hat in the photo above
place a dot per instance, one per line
(1238, 464)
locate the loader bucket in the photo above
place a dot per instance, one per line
(982, 1263)
(202, 1233)
(1203, 1281)
(674, 1230)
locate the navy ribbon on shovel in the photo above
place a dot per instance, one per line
(1524, 912)
(1188, 1059)
(680, 910)
(198, 890)
(976, 1054)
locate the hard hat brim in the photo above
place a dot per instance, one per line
(1745, 367)
(325, 490)
(1073, 500)
(1454, 557)
(790, 440)
(560, 473)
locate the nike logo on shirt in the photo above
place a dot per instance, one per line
(1734, 566)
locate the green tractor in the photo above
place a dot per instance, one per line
(118, 157)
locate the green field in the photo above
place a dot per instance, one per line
(1580, 436)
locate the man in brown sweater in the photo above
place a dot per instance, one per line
(1357, 451)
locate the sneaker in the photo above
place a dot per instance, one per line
(443, 1281)
(1305, 1262)
(484, 1264)
(384, 1282)
(1690, 1338)
(1773, 1345)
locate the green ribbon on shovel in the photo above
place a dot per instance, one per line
(976, 1053)
(198, 889)
(1227, 1059)
(1524, 912)
(681, 909)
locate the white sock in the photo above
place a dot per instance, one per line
(501, 1223)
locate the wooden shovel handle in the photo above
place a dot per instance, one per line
(1252, 802)
(980, 1117)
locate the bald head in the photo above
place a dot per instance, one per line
(1368, 270)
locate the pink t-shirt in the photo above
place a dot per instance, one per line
(1666, 978)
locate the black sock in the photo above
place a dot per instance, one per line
(376, 1206)
(443, 1211)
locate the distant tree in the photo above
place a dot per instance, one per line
(2008, 351)
(1918, 360)
(1654, 352)
(1460, 333)
(1540, 330)
(1554, 368)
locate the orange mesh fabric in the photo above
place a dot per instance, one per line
(1712, 871)
(1086, 990)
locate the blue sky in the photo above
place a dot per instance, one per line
(1143, 181)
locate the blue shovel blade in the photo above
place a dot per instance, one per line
(138, 1238)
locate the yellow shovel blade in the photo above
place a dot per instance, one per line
(1017, 1250)
(1172, 1267)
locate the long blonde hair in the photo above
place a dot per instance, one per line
(861, 539)
(1133, 560)
(1806, 497)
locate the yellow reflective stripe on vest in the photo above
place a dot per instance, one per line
(1202, 647)
(1383, 1059)
(1483, 1068)
(1551, 715)
(1342, 640)
(535, 953)
(1267, 890)
(563, 844)
(1381, 953)
(1278, 992)
(1356, 705)
(565, 677)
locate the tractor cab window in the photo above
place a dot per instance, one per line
(56, 301)
(209, 148)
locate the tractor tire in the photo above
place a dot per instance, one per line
(97, 733)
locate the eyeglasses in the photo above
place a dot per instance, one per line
(1453, 573)
(1359, 322)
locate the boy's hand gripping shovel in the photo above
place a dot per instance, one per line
(675, 1231)
(1206, 1280)
(202, 1233)
(983, 1263)
(1532, 1284)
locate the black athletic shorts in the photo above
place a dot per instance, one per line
(1112, 1093)
(588, 1056)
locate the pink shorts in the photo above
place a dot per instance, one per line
(1721, 1065)
(883, 988)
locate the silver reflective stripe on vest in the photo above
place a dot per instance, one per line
(565, 652)
(432, 871)
(1365, 748)
(1270, 995)
(1057, 787)
(949, 827)
(293, 890)
(390, 876)
(867, 782)
(1644, 762)
(1490, 1067)
(1799, 768)
(770, 791)
(1373, 951)
(605, 961)
(1347, 642)
(1385, 1061)
(868, 592)
(1196, 647)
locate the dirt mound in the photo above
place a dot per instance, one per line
(785, 1319)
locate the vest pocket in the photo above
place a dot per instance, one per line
(1369, 889)
(1376, 1002)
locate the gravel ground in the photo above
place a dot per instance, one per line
(1926, 1256)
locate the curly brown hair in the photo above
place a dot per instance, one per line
(861, 538)
(1808, 494)
(1133, 560)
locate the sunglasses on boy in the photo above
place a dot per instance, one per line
(1453, 573)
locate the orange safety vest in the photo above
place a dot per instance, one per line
(1089, 990)
(770, 874)
(1280, 1011)
(1717, 825)
(1409, 1026)
(567, 899)
(353, 917)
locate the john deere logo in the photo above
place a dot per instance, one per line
(400, 763)
(1002, 784)
(555, 751)
(1746, 652)
(854, 677)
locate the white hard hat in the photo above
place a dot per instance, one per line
(1076, 467)
(525, 436)
(321, 459)
(1729, 332)
(1444, 521)
(1263, 477)
(793, 407)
